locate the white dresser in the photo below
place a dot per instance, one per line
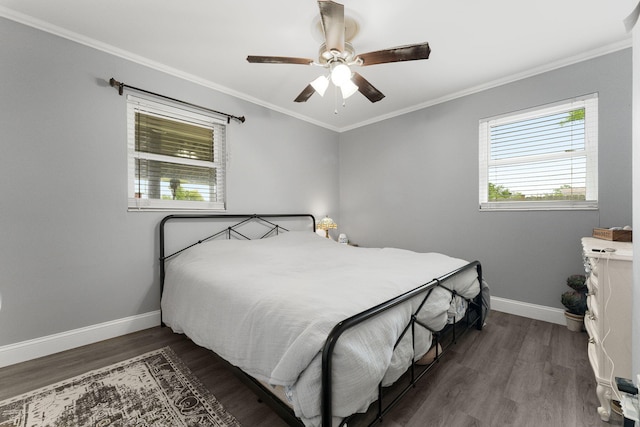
(608, 319)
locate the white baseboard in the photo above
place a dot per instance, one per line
(525, 309)
(39, 347)
(44, 346)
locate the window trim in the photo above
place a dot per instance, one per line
(590, 104)
(179, 112)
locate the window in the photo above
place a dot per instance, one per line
(541, 159)
(176, 157)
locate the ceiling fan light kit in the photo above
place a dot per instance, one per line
(320, 85)
(339, 56)
(340, 73)
(348, 88)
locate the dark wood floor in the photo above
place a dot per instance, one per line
(516, 372)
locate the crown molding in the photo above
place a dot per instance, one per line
(611, 48)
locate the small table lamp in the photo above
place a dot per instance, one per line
(325, 224)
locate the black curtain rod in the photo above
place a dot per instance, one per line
(114, 83)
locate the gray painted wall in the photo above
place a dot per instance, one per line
(70, 254)
(412, 182)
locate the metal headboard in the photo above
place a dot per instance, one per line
(268, 220)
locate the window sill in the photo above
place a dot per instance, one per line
(146, 205)
(538, 206)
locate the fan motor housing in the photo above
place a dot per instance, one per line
(326, 56)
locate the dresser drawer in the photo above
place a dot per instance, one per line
(593, 283)
(593, 357)
(592, 327)
(593, 263)
(594, 347)
(593, 307)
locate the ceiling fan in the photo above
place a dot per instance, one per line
(338, 56)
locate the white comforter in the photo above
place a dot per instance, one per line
(268, 305)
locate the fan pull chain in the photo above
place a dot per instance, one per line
(335, 100)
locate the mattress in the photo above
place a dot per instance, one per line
(267, 306)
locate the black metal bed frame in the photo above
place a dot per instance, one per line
(473, 317)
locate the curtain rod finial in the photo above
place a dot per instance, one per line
(113, 82)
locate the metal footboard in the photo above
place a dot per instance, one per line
(473, 316)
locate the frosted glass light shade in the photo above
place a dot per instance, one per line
(340, 74)
(320, 85)
(348, 88)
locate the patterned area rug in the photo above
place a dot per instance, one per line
(155, 389)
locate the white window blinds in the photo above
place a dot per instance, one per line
(542, 158)
(176, 157)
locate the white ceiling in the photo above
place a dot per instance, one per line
(474, 44)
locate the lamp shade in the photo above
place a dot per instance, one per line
(326, 223)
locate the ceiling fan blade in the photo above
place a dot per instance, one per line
(278, 60)
(366, 88)
(396, 54)
(305, 94)
(332, 18)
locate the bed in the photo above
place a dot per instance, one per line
(324, 326)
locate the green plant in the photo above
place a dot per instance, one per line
(575, 300)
